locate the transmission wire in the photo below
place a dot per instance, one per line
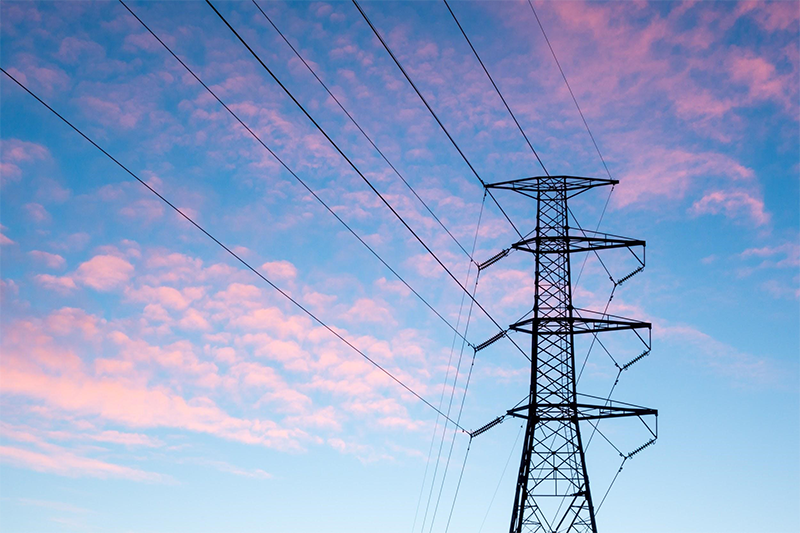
(452, 393)
(564, 76)
(292, 173)
(433, 113)
(364, 133)
(355, 168)
(231, 252)
(496, 88)
(458, 486)
(444, 384)
(502, 475)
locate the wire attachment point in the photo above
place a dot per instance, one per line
(640, 448)
(487, 427)
(486, 344)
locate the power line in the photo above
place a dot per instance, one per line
(461, 408)
(564, 76)
(496, 88)
(364, 133)
(355, 168)
(433, 113)
(458, 486)
(500, 481)
(293, 174)
(586, 125)
(444, 384)
(231, 252)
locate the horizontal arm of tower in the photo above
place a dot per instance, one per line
(559, 325)
(573, 185)
(552, 412)
(590, 241)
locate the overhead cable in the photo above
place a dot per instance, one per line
(231, 252)
(356, 169)
(294, 175)
(496, 88)
(447, 374)
(564, 76)
(453, 391)
(433, 113)
(364, 133)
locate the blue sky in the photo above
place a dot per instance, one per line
(151, 383)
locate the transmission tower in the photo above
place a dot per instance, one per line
(552, 490)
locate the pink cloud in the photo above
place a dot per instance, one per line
(104, 272)
(111, 113)
(273, 319)
(194, 320)
(122, 402)
(280, 270)
(5, 241)
(148, 210)
(368, 310)
(239, 294)
(394, 287)
(47, 79)
(126, 439)
(61, 284)
(228, 468)
(771, 16)
(661, 172)
(37, 212)
(65, 463)
(14, 152)
(72, 49)
(734, 204)
(789, 251)
(288, 353)
(719, 356)
(318, 300)
(51, 260)
(68, 320)
(168, 297)
(364, 453)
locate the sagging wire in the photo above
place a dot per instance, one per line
(502, 475)
(455, 380)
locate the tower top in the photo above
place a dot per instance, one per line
(536, 184)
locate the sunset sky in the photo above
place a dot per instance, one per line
(149, 382)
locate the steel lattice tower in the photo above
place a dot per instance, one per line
(552, 490)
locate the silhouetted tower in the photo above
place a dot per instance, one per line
(552, 492)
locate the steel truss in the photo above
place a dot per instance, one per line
(552, 491)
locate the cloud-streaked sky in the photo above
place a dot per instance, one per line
(148, 382)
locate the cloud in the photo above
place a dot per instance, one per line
(60, 284)
(148, 210)
(280, 270)
(790, 252)
(772, 16)
(14, 152)
(54, 261)
(228, 468)
(37, 212)
(65, 463)
(168, 297)
(368, 310)
(104, 272)
(722, 358)
(111, 113)
(734, 204)
(194, 320)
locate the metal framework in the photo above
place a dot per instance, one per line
(552, 490)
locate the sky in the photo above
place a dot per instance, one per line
(149, 382)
